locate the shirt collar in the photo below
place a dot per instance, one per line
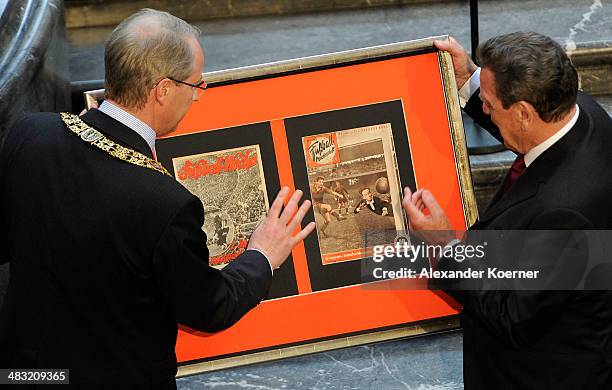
(141, 128)
(541, 148)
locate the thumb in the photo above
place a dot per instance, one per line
(409, 207)
(431, 203)
(442, 45)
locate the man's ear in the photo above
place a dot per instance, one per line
(524, 114)
(162, 91)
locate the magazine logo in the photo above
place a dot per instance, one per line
(322, 150)
(241, 160)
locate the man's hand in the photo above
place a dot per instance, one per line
(358, 208)
(274, 235)
(462, 63)
(434, 228)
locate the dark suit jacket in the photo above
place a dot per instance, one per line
(106, 259)
(545, 339)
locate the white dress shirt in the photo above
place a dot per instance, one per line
(533, 153)
(141, 128)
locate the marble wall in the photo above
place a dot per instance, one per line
(34, 68)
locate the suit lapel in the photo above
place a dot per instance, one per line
(500, 190)
(525, 187)
(117, 131)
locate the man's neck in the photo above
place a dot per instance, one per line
(128, 118)
(551, 135)
(143, 114)
(546, 130)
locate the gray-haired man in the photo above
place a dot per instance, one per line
(106, 249)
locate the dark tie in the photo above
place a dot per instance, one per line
(517, 168)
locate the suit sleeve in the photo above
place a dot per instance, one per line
(359, 206)
(521, 315)
(203, 297)
(474, 109)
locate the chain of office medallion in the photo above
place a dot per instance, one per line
(78, 127)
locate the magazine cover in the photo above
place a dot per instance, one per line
(355, 189)
(231, 185)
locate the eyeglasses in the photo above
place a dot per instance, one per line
(198, 88)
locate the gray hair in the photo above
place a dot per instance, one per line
(143, 49)
(533, 68)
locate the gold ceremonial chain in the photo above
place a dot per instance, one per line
(97, 139)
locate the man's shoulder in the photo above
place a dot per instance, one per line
(147, 194)
(38, 120)
(591, 106)
(159, 188)
(31, 130)
(584, 98)
(41, 117)
(35, 122)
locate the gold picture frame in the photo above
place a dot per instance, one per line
(428, 320)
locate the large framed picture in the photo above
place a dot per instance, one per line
(350, 129)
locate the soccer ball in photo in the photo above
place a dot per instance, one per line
(382, 185)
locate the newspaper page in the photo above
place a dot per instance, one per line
(355, 189)
(231, 185)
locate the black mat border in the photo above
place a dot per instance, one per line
(325, 277)
(284, 282)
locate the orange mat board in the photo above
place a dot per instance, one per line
(416, 81)
(286, 179)
(314, 316)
